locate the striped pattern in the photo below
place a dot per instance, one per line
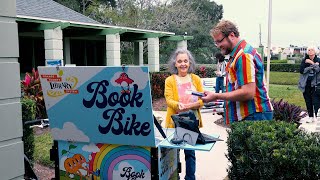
(246, 66)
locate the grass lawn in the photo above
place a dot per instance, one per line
(284, 85)
(284, 78)
(43, 144)
(289, 93)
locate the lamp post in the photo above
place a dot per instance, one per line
(269, 43)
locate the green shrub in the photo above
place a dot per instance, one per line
(268, 150)
(157, 83)
(202, 70)
(31, 88)
(283, 67)
(28, 113)
(278, 61)
(284, 111)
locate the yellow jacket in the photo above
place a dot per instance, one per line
(172, 97)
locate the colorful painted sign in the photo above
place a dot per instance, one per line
(104, 161)
(110, 105)
(167, 164)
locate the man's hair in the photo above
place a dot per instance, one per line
(219, 56)
(172, 61)
(225, 27)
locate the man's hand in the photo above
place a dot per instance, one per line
(209, 96)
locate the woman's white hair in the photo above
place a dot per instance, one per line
(313, 48)
(172, 61)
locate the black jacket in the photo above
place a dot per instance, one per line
(304, 64)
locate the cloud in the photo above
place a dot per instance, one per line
(142, 79)
(297, 18)
(69, 132)
(91, 148)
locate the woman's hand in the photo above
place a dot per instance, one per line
(309, 61)
(183, 107)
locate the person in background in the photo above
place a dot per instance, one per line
(182, 66)
(246, 96)
(308, 68)
(220, 72)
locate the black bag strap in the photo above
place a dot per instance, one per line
(159, 127)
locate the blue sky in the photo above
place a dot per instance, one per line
(294, 22)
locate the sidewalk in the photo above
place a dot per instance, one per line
(211, 165)
(310, 127)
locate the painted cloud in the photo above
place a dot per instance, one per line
(69, 132)
(91, 148)
(143, 77)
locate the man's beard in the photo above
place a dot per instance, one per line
(227, 50)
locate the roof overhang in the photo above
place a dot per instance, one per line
(78, 29)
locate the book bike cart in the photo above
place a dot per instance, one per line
(102, 124)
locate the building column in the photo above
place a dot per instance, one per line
(113, 49)
(11, 145)
(182, 44)
(138, 53)
(66, 50)
(53, 44)
(153, 54)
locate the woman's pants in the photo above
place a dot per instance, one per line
(312, 100)
(190, 158)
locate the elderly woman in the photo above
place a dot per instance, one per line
(177, 86)
(309, 69)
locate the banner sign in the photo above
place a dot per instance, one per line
(99, 104)
(54, 62)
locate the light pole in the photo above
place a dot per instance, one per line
(269, 43)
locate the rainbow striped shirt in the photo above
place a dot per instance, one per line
(245, 66)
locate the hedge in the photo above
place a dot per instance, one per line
(279, 67)
(28, 113)
(267, 150)
(283, 67)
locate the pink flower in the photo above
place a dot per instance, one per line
(27, 80)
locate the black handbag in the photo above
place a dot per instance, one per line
(188, 120)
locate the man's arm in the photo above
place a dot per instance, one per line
(244, 93)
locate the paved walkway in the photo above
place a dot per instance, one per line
(213, 165)
(310, 127)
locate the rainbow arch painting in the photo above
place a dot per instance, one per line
(108, 162)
